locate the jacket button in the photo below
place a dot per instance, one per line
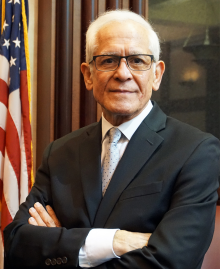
(59, 261)
(53, 261)
(48, 262)
(64, 260)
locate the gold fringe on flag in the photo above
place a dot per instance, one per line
(3, 14)
(26, 46)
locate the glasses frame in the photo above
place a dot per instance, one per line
(120, 57)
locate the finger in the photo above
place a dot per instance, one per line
(44, 215)
(148, 237)
(32, 221)
(36, 217)
(53, 215)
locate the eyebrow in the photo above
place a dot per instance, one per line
(117, 54)
(108, 53)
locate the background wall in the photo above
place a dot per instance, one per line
(190, 35)
(33, 39)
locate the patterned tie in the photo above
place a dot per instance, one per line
(111, 158)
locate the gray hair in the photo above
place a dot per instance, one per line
(119, 15)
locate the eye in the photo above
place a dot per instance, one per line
(136, 60)
(107, 60)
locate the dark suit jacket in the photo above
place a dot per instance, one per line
(165, 184)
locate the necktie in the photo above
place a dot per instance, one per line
(111, 158)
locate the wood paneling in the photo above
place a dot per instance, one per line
(139, 7)
(53, 61)
(76, 65)
(88, 106)
(101, 6)
(113, 4)
(45, 76)
(63, 78)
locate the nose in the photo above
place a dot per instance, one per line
(123, 72)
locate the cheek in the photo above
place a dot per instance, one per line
(146, 84)
(145, 92)
(99, 90)
(100, 82)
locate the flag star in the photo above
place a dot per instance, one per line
(17, 43)
(9, 2)
(19, 26)
(17, 1)
(13, 18)
(12, 61)
(5, 25)
(7, 43)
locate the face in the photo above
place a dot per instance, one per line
(122, 93)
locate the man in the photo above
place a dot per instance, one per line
(155, 207)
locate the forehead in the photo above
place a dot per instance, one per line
(126, 37)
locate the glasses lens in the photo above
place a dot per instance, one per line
(107, 63)
(139, 62)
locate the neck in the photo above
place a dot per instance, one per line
(117, 120)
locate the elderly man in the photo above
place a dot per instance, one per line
(136, 190)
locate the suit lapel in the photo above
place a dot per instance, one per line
(140, 148)
(90, 167)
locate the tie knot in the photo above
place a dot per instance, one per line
(114, 135)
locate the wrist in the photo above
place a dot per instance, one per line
(119, 245)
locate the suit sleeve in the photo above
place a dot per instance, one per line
(185, 232)
(28, 246)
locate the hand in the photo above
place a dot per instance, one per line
(125, 241)
(42, 217)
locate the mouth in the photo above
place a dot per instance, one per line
(121, 91)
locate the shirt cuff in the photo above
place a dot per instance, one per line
(98, 248)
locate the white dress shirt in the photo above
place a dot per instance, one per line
(98, 247)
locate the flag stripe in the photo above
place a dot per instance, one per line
(3, 113)
(24, 172)
(15, 110)
(4, 69)
(10, 190)
(26, 124)
(1, 182)
(26, 47)
(6, 217)
(2, 146)
(13, 147)
(1, 247)
(4, 92)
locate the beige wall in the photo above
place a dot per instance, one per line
(32, 36)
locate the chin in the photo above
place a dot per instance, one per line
(121, 107)
(122, 112)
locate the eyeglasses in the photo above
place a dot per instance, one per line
(137, 62)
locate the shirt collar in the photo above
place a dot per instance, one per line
(128, 128)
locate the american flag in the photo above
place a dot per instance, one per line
(16, 169)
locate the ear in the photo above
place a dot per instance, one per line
(159, 70)
(85, 69)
